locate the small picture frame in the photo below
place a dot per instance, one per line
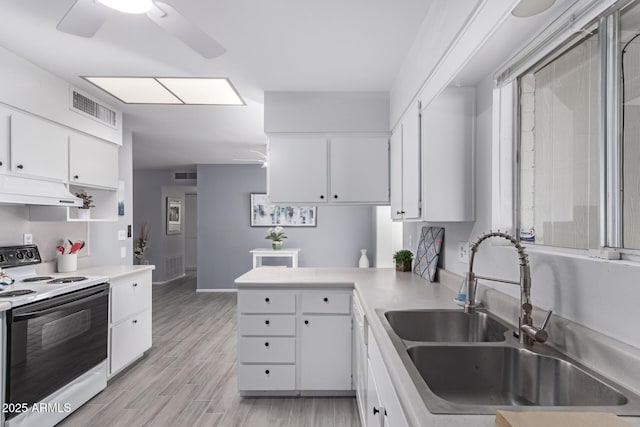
(264, 214)
(174, 215)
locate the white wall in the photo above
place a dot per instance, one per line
(599, 295)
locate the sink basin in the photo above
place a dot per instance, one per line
(484, 375)
(445, 326)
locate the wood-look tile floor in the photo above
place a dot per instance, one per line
(188, 377)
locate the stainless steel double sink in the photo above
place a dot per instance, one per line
(471, 364)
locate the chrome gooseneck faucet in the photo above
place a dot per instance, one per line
(527, 333)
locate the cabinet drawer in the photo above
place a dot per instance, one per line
(266, 350)
(326, 302)
(266, 302)
(129, 339)
(130, 295)
(267, 325)
(267, 377)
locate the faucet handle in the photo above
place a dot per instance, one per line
(537, 334)
(546, 320)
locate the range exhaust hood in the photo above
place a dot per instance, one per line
(18, 190)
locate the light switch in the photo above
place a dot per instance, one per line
(27, 239)
(122, 235)
(123, 252)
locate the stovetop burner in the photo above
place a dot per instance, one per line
(36, 279)
(67, 279)
(9, 294)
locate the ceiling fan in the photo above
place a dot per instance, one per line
(86, 17)
(262, 159)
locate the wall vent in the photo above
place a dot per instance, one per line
(88, 106)
(173, 267)
(181, 176)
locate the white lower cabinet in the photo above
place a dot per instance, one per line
(294, 341)
(130, 328)
(325, 355)
(375, 411)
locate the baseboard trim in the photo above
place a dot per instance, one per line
(170, 280)
(216, 290)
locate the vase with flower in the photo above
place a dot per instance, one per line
(276, 235)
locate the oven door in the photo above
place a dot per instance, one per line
(52, 342)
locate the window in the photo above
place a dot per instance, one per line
(579, 139)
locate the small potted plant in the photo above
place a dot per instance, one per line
(403, 260)
(84, 211)
(276, 235)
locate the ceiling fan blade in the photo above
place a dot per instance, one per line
(173, 22)
(84, 18)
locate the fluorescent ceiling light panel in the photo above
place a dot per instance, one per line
(202, 91)
(135, 90)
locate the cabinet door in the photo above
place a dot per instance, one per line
(129, 339)
(325, 358)
(38, 148)
(395, 170)
(449, 117)
(359, 170)
(411, 163)
(5, 137)
(92, 161)
(297, 171)
(374, 411)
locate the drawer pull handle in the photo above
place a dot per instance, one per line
(306, 322)
(135, 321)
(76, 177)
(20, 167)
(135, 285)
(335, 196)
(376, 411)
(266, 372)
(266, 344)
(267, 300)
(266, 322)
(326, 299)
(322, 196)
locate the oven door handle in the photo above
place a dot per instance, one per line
(63, 306)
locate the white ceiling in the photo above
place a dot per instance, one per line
(271, 45)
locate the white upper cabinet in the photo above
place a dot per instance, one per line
(92, 162)
(448, 126)
(297, 171)
(339, 170)
(359, 170)
(405, 167)
(38, 148)
(5, 137)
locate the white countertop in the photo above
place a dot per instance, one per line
(4, 306)
(383, 289)
(113, 271)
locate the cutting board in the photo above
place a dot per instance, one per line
(558, 419)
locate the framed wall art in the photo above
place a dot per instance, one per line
(174, 215)
(264, 214)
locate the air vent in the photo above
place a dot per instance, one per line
(88, 106)
(181, 176)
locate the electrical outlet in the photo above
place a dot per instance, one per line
(123, 252)
(463, 252)
(122, 235)
(27, 239)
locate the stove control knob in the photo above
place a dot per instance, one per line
(29, 254)
(20, 255)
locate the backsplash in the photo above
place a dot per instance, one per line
(14, 222)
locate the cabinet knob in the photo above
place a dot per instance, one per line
(0, 163)
(135, 321)
(267, 300)
(20, 167)
(325, 299)
(266, 344)
(322, 196)
(376, 411)
(335, 196)
(266, 372)
(306, 322)
(266, 322)
(75, 177)
(135, 285)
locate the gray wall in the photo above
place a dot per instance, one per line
(225, 236)
(150, 190)
(600, 295)
(104, 245)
